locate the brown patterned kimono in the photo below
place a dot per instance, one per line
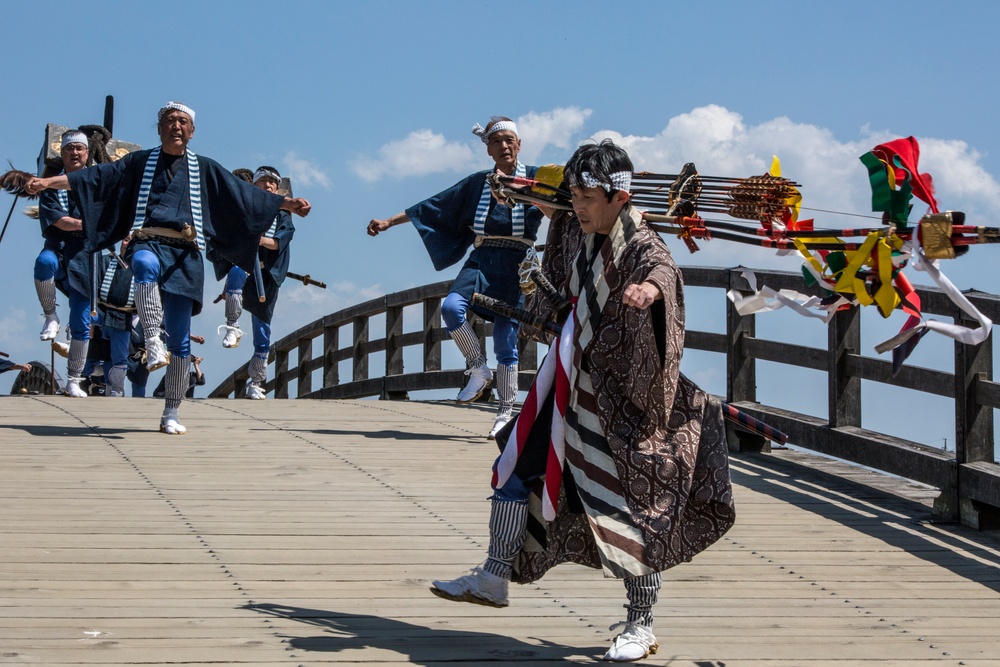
(646, 453)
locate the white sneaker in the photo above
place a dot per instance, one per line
(479, 378)
(232, 337)
(62, 349)
(478, 587)
(51, 327)
(74, 390)
(502, 420)
(170, 425)
(635, 642)
(156, 354)
(254, 391)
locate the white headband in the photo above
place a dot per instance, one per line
(620, 180)
(484, 134)
(175, 105)
(74, 137)
(266, 173)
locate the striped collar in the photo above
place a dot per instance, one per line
(517, 215)
(194, 191)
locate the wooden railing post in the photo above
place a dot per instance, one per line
(393, 351)
(304, 377)
(973, 426)
(281, 374)
(360, 345)
(331, 343)
(432, 346)
(527, 355)
(741, 368)
(843, 389)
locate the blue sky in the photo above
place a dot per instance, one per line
(368, 107)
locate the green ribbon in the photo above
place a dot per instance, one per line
(884, 198)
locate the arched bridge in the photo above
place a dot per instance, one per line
(311, 360)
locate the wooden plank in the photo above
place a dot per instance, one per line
(306, 532)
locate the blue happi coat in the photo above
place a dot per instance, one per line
(234, 214)
(445, 222)
(68, 246)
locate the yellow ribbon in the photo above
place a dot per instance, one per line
(876, 247)
(794, 201)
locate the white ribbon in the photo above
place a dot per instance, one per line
(953, 331)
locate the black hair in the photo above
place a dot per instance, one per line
(600, 161)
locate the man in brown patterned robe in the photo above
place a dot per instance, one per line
(643, 480)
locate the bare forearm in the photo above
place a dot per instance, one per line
(379, 225)
(69, 224)
(36, 185)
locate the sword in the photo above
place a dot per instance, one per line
(12, 205)
(521, 315)
(259, 277)
(306, 279)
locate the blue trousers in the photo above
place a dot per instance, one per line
(47, 268)
(177, 309)
(235, 281)
(453, 310)
(514, 488)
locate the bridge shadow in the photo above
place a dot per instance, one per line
(902, 523)
(382, 435)
(416, 644)
(46, 431)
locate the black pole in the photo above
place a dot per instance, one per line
(12, 205)
(109, 113)
(95, 256)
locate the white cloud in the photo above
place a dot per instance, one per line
(958, 173)
(549, 128)
(422, 152)
(305, 173)
(425, 152)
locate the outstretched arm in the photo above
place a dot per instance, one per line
(36, 185)
(377, 225)
(298, 206)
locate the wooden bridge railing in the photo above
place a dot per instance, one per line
(969, 480)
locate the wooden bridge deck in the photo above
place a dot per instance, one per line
(305, 533)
